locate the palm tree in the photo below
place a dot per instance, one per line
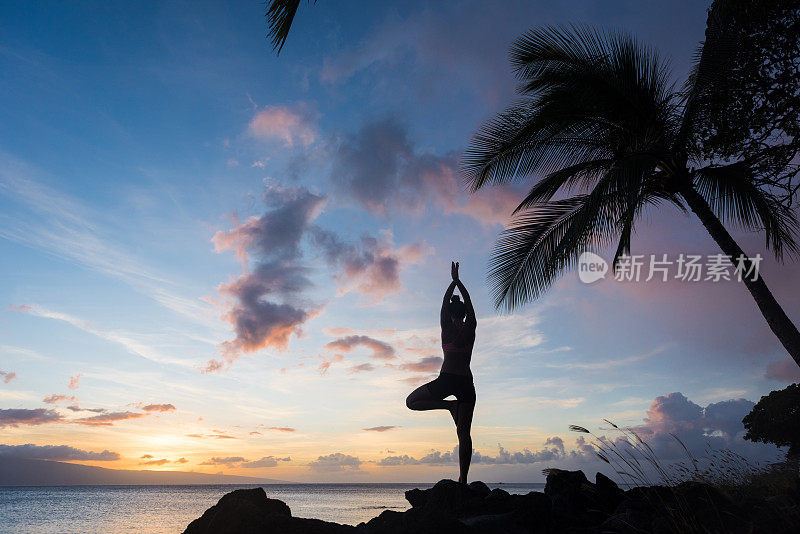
(606, 135)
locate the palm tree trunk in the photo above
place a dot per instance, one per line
(776, 318)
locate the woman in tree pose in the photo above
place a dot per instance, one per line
(455, 378)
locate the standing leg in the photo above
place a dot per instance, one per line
(463, 427)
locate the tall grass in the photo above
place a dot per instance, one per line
(734, 477)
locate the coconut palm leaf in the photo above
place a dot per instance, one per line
(280, 15)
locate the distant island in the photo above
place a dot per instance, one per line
(23, 472)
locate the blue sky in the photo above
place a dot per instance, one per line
(158, 164)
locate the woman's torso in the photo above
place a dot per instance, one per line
(457, 342)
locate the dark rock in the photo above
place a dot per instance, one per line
(631, 516)
(448, 497)
(609, 495)
(479, 487)
(533, 511)
(417, 497)
(498, 495)
(573, 496)
(414, 521)
(250, 511)
(495, 524)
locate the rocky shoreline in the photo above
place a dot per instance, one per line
(570, 503)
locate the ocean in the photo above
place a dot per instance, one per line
(169, 509)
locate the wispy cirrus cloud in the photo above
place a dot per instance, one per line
(60, 225)
(131, 342)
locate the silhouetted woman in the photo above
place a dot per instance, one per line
(455, 378)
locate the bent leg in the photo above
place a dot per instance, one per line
(463, 429)
(422, 399)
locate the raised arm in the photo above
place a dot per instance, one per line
(444, 315)
(470, 318)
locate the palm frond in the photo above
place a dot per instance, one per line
(735, 198)
(280, 15)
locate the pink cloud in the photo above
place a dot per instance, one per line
(380, 428)
(362, 368)
(425, 365)
(108, 419)
(22, 416)
(370, 266)
(55, 398)
(74, 381)
(785, 370)
(290, 125)
(159, 408)
(380, 350)
(7, 376)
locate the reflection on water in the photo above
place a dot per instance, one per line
(168, 509)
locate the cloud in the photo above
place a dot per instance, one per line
(181, 461)
(7, 376)
(55, 452)
(162, 461)
(159, 408)
(55, 398)
(428, 364)
(380, 350)
(275, 239)
(380, 428)
(336, 462)
(785, 370)
(381, 168)
(290, 125)
(229, 461)
(146, 456)
(74, 381)
(108, 419)
(279, 428)
(362, 367)
(216, 436)
(370, 266)
(716, 426)
(130, 342)
(76, 408)
(23, 416)
(553, 451)
(266, 461)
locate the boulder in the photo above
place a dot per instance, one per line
(250, 511)
(448, 497)
(609, 495)
(575, 502)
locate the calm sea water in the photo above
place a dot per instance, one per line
(169, 509)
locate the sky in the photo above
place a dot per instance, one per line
(219, 260)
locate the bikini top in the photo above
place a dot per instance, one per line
(452, 347)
